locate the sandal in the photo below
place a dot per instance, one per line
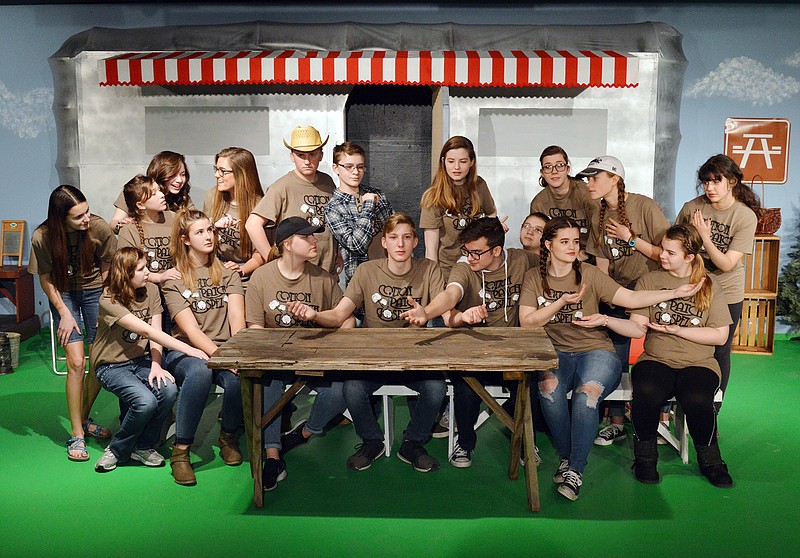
(94, 430)
(77, 445)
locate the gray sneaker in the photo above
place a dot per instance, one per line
(365, 454)
(107, 462)
(148, 457)
(563, 467)
(461, 457)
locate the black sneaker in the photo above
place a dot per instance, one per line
(274, 471)
(571, 486)
(414, 454)
(461, 457)
(293, 438)
(365, 454)
(442, 427)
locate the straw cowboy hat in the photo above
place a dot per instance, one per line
(305, 139)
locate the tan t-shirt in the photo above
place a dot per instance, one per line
(114, 343)
(670, 349)
(625, 263)
(731, 229)
(208, 303)
(269, 291)
(291, 196)
(157, 240)
(499, 289)
(577, 205)
(41, 259)
(450, 225)
(229, 238)
(383, 293)
(565, 336)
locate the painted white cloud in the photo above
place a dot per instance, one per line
(745, 79)
(26, 114)
(793, 60)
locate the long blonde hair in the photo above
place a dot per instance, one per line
(692, 243)
(443, 193)
(180, 250)
(246, 193)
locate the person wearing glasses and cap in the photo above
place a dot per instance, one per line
(290, 276)
(302, 192)
(562, 195)
(356, 213)
(484, 290)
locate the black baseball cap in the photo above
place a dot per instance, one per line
(294, 225)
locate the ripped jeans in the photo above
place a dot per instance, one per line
(598, 372)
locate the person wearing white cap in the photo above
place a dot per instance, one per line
(290, 276)
(302, 192)
(624, 236)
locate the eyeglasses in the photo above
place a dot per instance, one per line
(548, 169)
(474, 254)
(223, 172)
(528, 226)
(350, 168)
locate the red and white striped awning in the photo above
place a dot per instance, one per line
(471, 68)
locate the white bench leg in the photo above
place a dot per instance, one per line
(388, 424)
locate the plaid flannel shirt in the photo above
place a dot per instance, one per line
(354, 230)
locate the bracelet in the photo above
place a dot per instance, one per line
(606, 324)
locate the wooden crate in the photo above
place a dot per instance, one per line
(756, 330)
(755, 333)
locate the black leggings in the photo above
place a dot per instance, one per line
(694, 388)
(723, 352)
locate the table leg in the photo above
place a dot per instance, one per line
(516, 434)
(531, 466)
(256, 440)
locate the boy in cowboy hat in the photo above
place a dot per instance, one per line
(303, 192)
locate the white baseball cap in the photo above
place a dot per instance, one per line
(603, 163)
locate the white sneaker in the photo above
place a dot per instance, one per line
(107, 462)
(148, 457)
(609, 435)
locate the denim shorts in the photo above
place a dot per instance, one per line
(85, 307)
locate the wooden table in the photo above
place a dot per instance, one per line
(514, 352)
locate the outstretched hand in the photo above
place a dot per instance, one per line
(663, 328)
(688, 289)
(574, 298)
(474, 315)
(416, 316)
(593, 320)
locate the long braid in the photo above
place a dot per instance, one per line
(623, 216)
(544, 254)
(139, 228)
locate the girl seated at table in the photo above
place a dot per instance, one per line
(288, 276)
(562, 294)
(130, 317)
(207, 305)
(678, 358)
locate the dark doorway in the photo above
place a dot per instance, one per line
(393, 125)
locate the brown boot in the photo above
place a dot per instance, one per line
(182, 470)
(229, 449)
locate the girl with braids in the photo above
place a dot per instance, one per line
(237, 192)
(725, 216)
(71, 252)
(563, 295)
(456, 197)
(130, 320)
(150, 228)
(678, 358)
(169, 170)
(624, 237)
(207, 305)
(562, 194)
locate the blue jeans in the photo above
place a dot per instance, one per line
(423, 413)
(84, 307)
(195, 379)
(147, 406)
(328, 403)
(573, 433)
